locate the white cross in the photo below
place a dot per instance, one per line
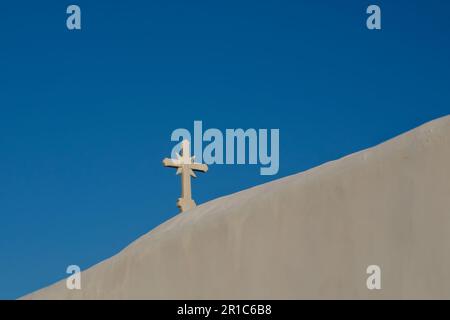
(186, 166)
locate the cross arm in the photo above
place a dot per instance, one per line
(199, 167)
(170, 163)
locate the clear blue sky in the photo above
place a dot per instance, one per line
(86, 116)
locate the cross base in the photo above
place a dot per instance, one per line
(185, 204)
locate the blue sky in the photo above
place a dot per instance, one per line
(86, 116)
